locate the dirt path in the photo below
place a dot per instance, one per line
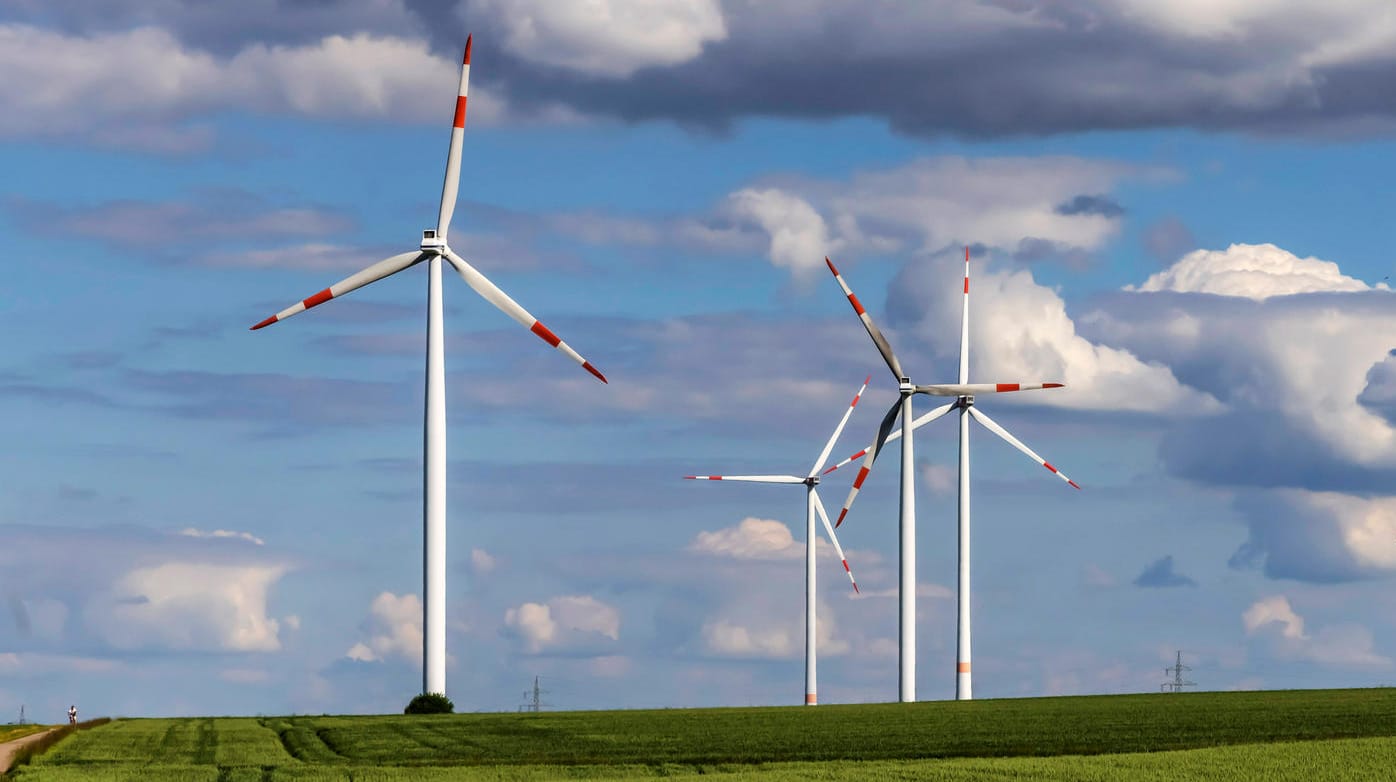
(9, 748)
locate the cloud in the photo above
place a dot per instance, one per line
(1020, 332)
(799, 239)
(980, 70)
(1318, 536)
(565, 623)
(211, 216)
(142, 88)
(481, 561)
(1160, 574)
(1167, 239)
(1253, 271)
(189, 606)
(1274, 609)
(752, 538)
(223, 533)
(394, 627)
(1273, 619)
(606, 38)
(1291, 374)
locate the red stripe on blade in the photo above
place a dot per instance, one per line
(543, 331)
(468, 40)
(1052, 385)
(857, 305)
(1001, 387)
(1049, 466)
(862, 474)
(831, 266)
(1073, 483)
(588, 367)
(842, 513)
(966, 285)
(266, 322)
(319, 298)
(460, 111)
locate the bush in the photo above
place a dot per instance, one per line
(430, 703)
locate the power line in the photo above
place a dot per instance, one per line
(1178, 682)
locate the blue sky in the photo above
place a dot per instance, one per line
(1182, 216)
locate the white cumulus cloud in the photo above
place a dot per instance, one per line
(564, 622)
(1253, 271)
(189, 606)
(1344, 645)
(394, 626)
(752, 538)
(608, 38)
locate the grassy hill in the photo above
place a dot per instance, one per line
(1347, 734)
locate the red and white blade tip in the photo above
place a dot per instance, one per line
(468, 40)
(851, 578)
(832, 268)
(1058, 473)
(702, 477)
(264, 323)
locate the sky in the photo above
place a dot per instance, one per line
(1178, 210)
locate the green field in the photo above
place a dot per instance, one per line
(1336, 734)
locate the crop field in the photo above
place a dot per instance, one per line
(1336, 734)
(12, 732)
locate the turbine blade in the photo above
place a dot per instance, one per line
(353, 282)
(452, 182)
(829, 528)
(916, 423)
(884, 431)
(838, 430)
(964, 326)
(748, 478)
(882, 346)
(491, 293)
(970, 389)
(993, 426)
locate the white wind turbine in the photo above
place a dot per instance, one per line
(812, 506)
(963, 392)
(433, 249)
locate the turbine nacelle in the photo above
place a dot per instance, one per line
(433, 242)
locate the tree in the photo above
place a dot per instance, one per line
(430, 703)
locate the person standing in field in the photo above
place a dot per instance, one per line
(73, 715)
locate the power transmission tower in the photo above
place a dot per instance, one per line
(1178, 683)
(533, 699)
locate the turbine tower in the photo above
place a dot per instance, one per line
(813, 505)
(964, 393)
(433, 249)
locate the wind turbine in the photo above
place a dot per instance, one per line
(964, 393)
(812, 506)
(433, 249)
